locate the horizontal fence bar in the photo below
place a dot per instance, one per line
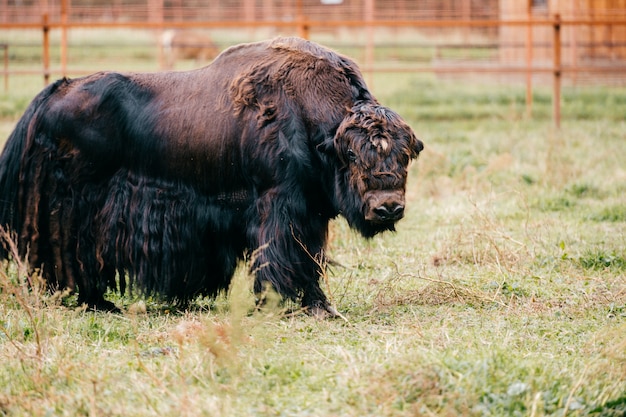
(317, 23)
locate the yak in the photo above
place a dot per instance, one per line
(164, 182)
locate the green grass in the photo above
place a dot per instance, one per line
(503, 293)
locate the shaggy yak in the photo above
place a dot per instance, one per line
(165, 181)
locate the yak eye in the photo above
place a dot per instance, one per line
(351, 155)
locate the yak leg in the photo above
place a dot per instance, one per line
(291, 253)
(92, 277)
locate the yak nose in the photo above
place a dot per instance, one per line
(390, 211)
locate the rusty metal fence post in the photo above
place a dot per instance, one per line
(369, 40)
(529, 60)
(303, 27)
(64, 13)
(46, 49)
(556, 93)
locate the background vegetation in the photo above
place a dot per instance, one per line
(503, 292)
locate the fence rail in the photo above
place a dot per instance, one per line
(302, 26)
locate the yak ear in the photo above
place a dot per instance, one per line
(418, 146)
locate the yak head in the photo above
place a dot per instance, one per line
(373, 147)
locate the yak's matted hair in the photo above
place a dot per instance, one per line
(165, 181)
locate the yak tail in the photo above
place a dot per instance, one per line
(11, 161)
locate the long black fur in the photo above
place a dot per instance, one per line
(167, 180)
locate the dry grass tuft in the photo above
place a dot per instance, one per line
(484, 241)
(25, 292)
(435, 292)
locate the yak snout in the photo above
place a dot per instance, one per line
(389, 211)
(384, 206)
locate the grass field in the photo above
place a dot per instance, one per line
(503, 293)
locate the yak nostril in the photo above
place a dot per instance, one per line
(381, 212)
(389, 211)
(398, 210)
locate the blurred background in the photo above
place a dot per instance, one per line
(536, 47)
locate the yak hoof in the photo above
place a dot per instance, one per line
(323, 312)
(104, 305)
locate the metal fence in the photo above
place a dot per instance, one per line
(583, 42)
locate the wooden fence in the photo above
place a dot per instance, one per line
(302, 26)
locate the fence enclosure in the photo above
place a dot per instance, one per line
(580, 41)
